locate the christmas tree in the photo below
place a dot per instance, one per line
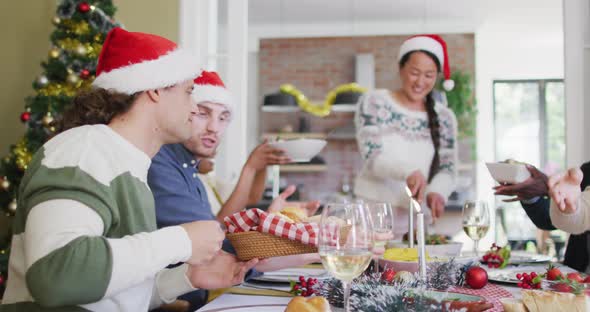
(80, 29)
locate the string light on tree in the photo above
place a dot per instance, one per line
(56, 20)
(12, 206)
(80, 50)
(5, 184)
(42, 81)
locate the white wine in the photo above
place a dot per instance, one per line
(475, 231)
(346, 265)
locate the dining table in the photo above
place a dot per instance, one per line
(257, 297)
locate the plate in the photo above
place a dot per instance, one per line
(252, 308)
(292, 274)
(525, 257)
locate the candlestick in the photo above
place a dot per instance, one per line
(275, 181)
(411, 225)
(421, 247)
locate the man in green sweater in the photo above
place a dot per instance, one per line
(85, 235)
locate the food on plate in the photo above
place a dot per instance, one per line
(512, 162)
(313, 304)
(433, 239)
(402, 254)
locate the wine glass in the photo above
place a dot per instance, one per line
(382, 221)
(345, 242)
(476, 221)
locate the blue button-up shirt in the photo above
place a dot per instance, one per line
(179, 193)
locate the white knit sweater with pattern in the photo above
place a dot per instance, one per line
(395, 141)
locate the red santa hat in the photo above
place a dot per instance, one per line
(210, 88)
(130, 62)
(435, 45)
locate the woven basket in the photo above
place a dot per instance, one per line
(253, 244)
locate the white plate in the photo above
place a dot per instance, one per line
(287, 275)
(517, 257)
(509, 275)
(252, 308)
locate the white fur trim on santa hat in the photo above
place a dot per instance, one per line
(423, 43)
(174, 67)
(213, 94)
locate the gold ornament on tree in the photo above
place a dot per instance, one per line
(54, 52)
(73, 79)
(12, 206)
(47, 119)
(5, 184)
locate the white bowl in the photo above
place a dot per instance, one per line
(508, 173)
(301, 150)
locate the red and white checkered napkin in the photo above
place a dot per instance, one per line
(261, 221)
(490, 292)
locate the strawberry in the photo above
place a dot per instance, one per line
(575, 276)
(562, 287)
(388, 275)
(587, 279)
(553, 273)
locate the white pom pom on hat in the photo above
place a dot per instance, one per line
(435, 45)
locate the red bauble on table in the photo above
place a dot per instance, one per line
(83, 7)
(388, 275)
(476, 277)
(24, 117)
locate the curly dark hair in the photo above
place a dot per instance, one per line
(433, 122)
(96, 106)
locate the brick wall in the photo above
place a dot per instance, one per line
(315, 66)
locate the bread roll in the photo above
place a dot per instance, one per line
(313, 304)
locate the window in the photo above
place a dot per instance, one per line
(529, 120)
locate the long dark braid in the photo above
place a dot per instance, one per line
(433, 122)
(434, 126)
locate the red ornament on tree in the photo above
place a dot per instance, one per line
(476, 277)
(84, 74)
(1, 280)
(83, 7)
(24, 117)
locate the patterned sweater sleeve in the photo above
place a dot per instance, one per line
(444, 181)
(371, 114)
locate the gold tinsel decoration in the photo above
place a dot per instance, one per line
(75, 46)
(349, 87)
(23, 155)
(324, 109)
(78, 28)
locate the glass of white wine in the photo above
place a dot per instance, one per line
(345, 244)
(382, 222)
(476, 221)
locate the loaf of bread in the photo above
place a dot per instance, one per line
(552, 301)
(313, 304)
(294, 214)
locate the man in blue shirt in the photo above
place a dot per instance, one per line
(173, 176)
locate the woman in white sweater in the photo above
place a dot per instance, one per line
(408, 138)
